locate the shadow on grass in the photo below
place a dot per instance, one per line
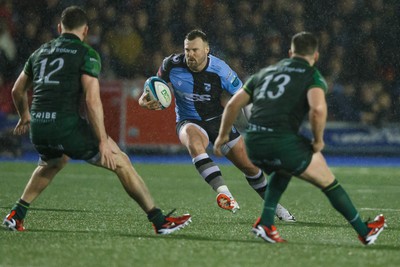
(242, 221)
(317, 224)
(59, 210)
(198, 238)
(316, 244)
(52, 209)
(314, 224)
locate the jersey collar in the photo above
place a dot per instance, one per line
(70, 36)
(302, 60)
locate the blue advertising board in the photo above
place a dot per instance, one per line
(354, 138)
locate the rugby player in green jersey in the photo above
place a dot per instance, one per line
(282, 95)
(61, 73)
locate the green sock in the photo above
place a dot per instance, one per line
(277, 184)
(341, 201)
(21, 208)
(156, 217)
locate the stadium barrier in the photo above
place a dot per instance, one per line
(145, 131)
(140, 129)
(345, 138)
(133, 127)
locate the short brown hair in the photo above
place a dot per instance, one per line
(73, 17)
(304, 43)
(196, 34)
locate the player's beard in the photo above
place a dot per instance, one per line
(191, 63)
(194, 64)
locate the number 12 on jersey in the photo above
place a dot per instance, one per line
(46, 71)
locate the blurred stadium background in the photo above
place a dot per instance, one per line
(359, 40)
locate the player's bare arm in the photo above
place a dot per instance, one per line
(317, 116)
(20, 98)
(231, 112)
(95, 114)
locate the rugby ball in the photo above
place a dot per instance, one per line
(158, 90)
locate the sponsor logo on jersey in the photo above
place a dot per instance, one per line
(194, 97)
(197, 97)
(175, 59)
(58, 50)
(291, 69)
(207, 87)
(44, 115)
(235, 81)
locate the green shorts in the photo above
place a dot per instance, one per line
(273, 152)
(52, 141)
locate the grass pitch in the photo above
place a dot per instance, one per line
(85, 218)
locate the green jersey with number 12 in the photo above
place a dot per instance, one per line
(56, 69)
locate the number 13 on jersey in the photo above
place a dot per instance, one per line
(268, 89)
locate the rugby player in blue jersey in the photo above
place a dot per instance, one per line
(199, 81)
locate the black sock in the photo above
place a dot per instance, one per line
(21, 208)
(156, 217)
(209, 171)
(258, 183)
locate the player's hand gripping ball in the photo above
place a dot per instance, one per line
(158, 90)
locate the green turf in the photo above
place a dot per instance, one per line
(85, 219)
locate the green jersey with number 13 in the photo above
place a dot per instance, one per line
(279, 94)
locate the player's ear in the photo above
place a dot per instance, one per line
(290, 53)
(85, 30)
(316, 56)
(207, 49)
(59, 29)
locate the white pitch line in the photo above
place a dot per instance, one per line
(378, 209)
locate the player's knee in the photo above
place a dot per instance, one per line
(61, 163)
(56, 164)
(122, 160)
(193, 137)
(51, 167)
(330, 177)
(195, 148)
(250, 170)
(125, 157)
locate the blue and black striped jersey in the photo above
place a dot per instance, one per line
(198, 94)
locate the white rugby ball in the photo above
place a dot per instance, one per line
(158, 90)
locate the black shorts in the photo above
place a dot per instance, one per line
(211, 127)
